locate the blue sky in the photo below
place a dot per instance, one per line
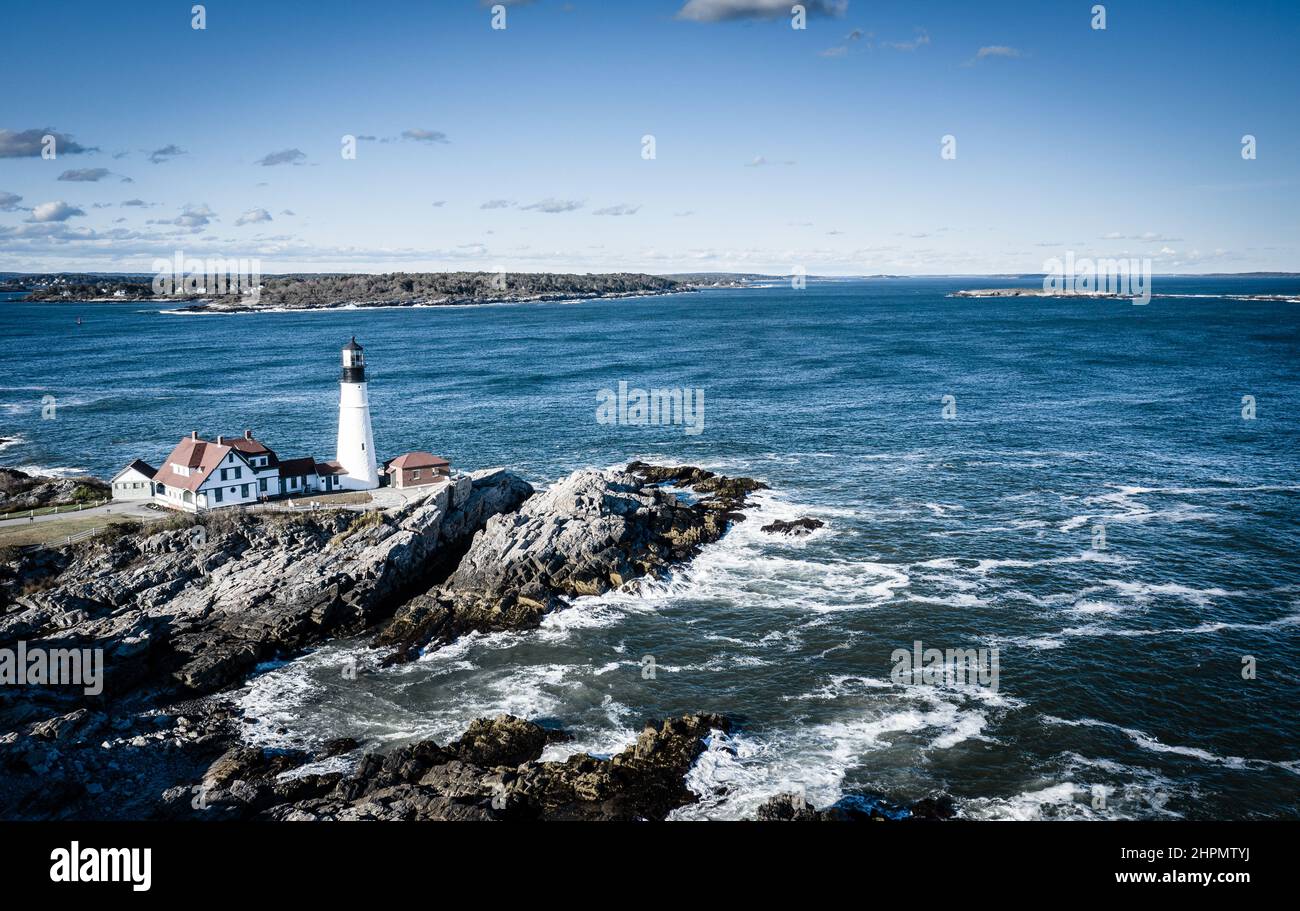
(775, 148)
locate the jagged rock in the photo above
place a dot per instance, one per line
(940, 807)
(589, 533)
(250, 764)
(501, 741)
(854, 808)
(787, 808)
(64, 725)
(645, 781)
(338, 746)
(427, 782)
(798, 527)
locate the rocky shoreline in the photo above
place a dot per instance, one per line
(185, 611)
(20, 491)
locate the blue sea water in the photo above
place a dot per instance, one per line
(1120, 666)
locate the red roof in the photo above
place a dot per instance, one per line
(418, 460)
(200, 456)
(249, 446)
(330, 467)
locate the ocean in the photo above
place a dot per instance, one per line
(1105, 493)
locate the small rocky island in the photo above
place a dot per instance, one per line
(185, 609)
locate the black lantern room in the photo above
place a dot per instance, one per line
(354, 362)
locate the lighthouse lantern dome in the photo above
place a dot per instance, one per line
(354, 362)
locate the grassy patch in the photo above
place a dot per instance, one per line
(57, 531)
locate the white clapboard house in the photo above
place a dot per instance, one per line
(233, 471)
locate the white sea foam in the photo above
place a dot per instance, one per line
(1065, 800)
(738, 773)
(1151, 744)
(46, 471)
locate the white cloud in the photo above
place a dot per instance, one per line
(554, 206)
(192, 217)
(996, 50)
(286, 156)
(253, 217)
(425, 135)
(619, 209)
(85, 175)
(30, 143)
(54, 211)
(166, 153)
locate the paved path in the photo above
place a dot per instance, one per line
(134, 510)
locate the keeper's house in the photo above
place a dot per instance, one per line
(232, 471)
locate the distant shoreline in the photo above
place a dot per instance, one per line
(226, 291)
(220, 307)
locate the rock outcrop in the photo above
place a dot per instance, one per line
(490, 773)
(19, 490)
(592, 532)
(855, 808)
(796, 528)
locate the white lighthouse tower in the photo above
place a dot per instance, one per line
(356, 448)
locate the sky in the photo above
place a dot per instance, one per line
(774, 148)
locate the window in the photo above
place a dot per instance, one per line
(261, 485)
(216, 494)
(243, 490)
(415, 475)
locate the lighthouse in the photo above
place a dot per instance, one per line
(356, 444)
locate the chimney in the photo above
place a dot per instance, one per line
(248, 434)
(194, 434)
(221, 441)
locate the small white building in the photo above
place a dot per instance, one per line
(134, 482)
